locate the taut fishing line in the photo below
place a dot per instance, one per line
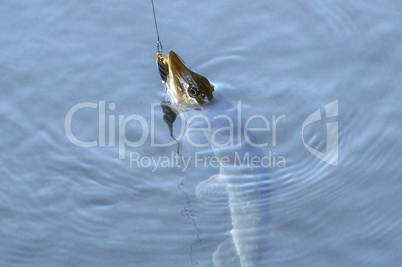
(159, 43)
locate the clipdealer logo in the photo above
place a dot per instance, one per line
(330, 155)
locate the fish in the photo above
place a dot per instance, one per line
(184, 86)
(247, 188)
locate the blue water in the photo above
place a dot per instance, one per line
(65, 205)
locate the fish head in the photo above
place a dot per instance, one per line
(184, 86)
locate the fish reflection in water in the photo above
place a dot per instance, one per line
(247, 185)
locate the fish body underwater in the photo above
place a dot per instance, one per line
(246, 185)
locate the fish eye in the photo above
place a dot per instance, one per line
(192, 92)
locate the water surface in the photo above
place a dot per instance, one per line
(64, 205)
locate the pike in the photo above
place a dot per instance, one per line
(247, 187)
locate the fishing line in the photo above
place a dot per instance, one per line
(190, 214)
(169, 117)
(159, 43)
(162, 62)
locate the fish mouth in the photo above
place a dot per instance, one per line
(184, 86)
